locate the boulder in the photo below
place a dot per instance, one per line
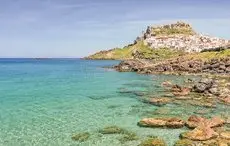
(203, 85)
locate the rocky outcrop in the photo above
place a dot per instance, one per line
(217, 65)
(129, 66)
(181, 65)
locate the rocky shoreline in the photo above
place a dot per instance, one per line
(211, 61)
(205, 94)
(203, 131)
(177, 65)
(211, 90)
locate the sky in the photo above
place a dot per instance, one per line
(77, 28)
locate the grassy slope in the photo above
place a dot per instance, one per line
(117, 54)
(145, 51)
(205, 56)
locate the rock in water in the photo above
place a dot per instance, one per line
(203, 85)
(153, 142)
(162, 122)
(159, 101)
(129, 66)
(195, 121)
(200, 133)
(81, 137)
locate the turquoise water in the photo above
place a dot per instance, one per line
(45, 102)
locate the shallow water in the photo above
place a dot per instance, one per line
(45, 102)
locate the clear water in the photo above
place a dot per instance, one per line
(45, 102)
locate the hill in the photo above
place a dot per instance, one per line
(164, 42)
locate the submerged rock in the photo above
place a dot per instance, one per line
(184, 142)
(183, 92)
(159, 101)
(153, 142)
(180, 91)
(161, 111)
(81, 137)
(200, 103)
(112, 130)
(166, 84)
(128, 136)
(183, 97)
(162, 122)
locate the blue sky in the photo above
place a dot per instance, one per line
(76, 28)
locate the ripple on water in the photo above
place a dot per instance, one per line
(46, 102)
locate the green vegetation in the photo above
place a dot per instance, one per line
(139, 50)
(205, 56)
(81, 137)
(144, 52)
(153, 142)
(116, 54)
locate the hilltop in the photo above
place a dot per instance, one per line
(164, 42)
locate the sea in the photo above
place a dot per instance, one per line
(44, 102)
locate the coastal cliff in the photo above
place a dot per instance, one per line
(167, 39)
